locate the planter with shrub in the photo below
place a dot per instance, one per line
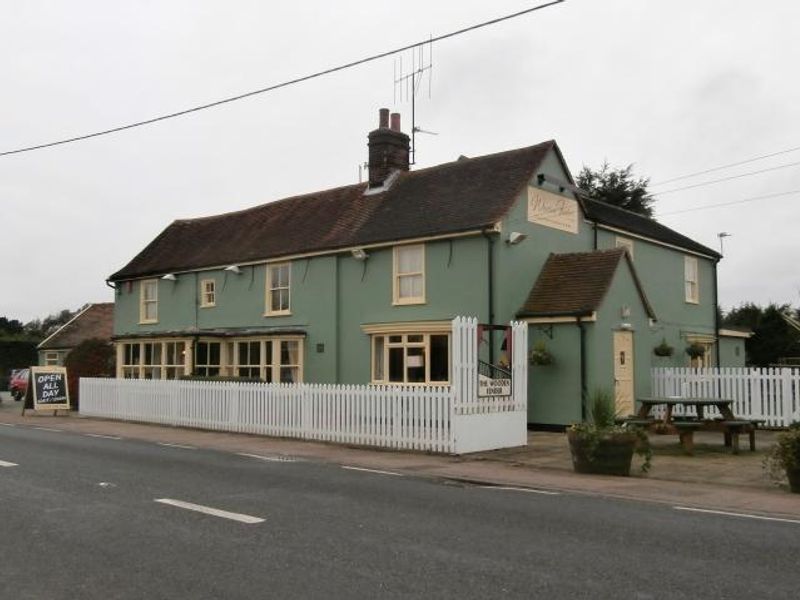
(784, 458)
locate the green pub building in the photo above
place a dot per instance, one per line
(359, 284)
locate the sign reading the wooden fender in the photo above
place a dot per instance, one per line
(490, 388)
(552, 210)
(50, 390)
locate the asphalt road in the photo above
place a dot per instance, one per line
(79, 518)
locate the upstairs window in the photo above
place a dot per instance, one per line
(208, 293)
(409, 274)
(278, 289)
(148, 301)
(692, 280)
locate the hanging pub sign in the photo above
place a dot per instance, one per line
(50, 389)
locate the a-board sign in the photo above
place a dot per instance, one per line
(50, 389)
(489, 388)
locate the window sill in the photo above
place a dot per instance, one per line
(286, 313)
(409, 302)
(150, 322)
(207, 305)
(692, 302)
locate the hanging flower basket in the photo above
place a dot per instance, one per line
(695, 350)
(663, 349)
(540, 355)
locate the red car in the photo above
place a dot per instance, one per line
(18, 383)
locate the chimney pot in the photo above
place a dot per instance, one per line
(395, 121)
(383, 118)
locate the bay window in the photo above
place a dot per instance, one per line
(411, 358)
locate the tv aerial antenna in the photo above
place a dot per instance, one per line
(408, 85)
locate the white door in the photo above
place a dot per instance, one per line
(623, 372)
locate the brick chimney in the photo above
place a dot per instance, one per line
(388, 148)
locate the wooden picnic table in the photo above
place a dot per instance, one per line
(685, 426)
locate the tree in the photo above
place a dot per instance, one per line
(41, 328)
(618, 187)
(773, 339)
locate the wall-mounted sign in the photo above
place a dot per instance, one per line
(489, 388)
(50, 390)
(551, 210)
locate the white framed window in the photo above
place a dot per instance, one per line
(208, 358)
(279, 289)
(51, 359)
(153, 360)
(274, 360)
(411, 358)
(691, 279)
(148, 301)
(409, 274)
(208, 293)
(623, 242)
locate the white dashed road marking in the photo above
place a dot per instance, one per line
(733, 514)
(284, 459)
(100, 435)
(519, 489)
(211, 511)
(379, 472)
(8, 424)
(47, 429)
(7, 464)
(168, 445)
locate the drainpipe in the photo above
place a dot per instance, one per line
(584, 392)
(595, 235)
(716, 314)
(490, 259)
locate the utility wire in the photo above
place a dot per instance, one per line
(729, 165)
(284, 84)
(704, 183)
(742, 201)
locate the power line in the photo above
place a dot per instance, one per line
(721, 167)
(704, 183)
(742, 201)
(294, 81)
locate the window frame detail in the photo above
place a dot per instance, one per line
(691, 279)
(208, 293)
(271, 311)
(624, 242)
(382, 344)
(397, 275)
(145, 301)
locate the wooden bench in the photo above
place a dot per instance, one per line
(635, 421)
(686, 431)
(732, 429)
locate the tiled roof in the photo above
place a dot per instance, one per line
(96, 321)
(463, 195)
(620, 218)
(575, 284)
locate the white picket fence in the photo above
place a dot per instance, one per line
(771, 394)
(446, 419)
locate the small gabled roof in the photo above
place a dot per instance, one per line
(575, 284)
(463, 195)
(620, 218)
(94, 321)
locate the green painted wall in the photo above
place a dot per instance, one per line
(731, 352)
(554, 391)
(661, 271)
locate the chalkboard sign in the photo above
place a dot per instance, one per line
(50, 390)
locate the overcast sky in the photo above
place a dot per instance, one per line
(672, 86)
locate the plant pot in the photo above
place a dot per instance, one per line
(793, 475)
(612, 456)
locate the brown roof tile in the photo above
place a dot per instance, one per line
(458, 196)
(575, 284)
(96, 321)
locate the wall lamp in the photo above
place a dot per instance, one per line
(233, 269)
(359, 254)
(169, 277)
(515, 237)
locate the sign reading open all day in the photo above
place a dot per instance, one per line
(50, 389)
